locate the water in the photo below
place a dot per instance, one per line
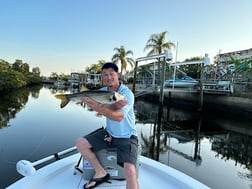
(212, 150)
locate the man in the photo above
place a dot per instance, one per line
(120, 131)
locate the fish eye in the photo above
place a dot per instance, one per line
(114, 98)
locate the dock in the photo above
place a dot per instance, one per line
(214, 102)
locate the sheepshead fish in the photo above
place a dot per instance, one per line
(104, 97)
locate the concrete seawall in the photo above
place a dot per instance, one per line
(220, 104)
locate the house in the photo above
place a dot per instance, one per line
(225, 58)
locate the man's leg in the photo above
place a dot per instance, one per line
(84, 147)
(127, 150)
(131, 176)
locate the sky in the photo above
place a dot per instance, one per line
(68, 35)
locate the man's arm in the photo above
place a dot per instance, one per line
(118, 105)
(111, 111)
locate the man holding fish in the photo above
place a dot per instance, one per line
(120, 131)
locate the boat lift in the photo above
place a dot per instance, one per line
(222, 86)
(164, 58)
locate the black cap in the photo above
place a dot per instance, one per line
(110, 65)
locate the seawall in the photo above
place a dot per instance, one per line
(220, 104)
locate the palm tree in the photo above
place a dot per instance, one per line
(158, 45)
(93, 68)
(144, 71)
(121, 56)
(96, 68)
(100, 64)
(242, 66)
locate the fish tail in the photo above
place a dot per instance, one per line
(63, 98)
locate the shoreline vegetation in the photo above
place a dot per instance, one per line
(17, 75)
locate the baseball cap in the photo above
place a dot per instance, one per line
(110, 65)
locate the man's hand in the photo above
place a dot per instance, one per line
(109, 111)
(91, 103)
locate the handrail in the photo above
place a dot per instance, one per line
(27, 168)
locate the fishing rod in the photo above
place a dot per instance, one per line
(27, 168)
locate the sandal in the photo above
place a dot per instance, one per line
(97, 181)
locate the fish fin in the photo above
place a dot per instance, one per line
(83, 88)
(63, 103)
(63, 98)
(79, 103)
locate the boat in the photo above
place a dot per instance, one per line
(183, 82)
(64, 173)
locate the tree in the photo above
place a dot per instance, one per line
(193, 70)
(242, 66)
(145, 72)
(11, 79)
(157, 45)
(17, 75)
(4, 65)
(54, 76)
(36, 70)
(100, 64)
(17, 65)
(96, 68)
(25, 69)
(121, 56)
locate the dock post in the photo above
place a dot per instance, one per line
(160, 107)
(134, 80)
(205, 63)
(201, 89)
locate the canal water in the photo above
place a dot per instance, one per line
(214, 150)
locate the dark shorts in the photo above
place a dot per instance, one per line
(127, 148)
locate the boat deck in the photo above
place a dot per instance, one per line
(62, 174)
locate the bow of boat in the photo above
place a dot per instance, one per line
(62, 174)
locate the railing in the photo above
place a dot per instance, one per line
(218, 86)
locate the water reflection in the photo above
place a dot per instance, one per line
(54, 89)
(212, 149)
(231, 140)
(12, 102)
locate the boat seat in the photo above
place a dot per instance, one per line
(108, 159)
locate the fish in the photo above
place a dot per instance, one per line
(104, 97)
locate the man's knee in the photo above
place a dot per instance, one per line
(130, 170)
(82, 143)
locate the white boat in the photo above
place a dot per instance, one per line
(183, 82)
(63, 174)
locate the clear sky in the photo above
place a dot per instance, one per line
(64, 35)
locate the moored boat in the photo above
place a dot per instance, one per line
(183, 82)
